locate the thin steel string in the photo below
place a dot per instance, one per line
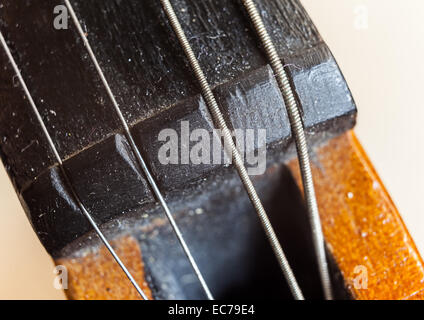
(236, 157)
(137, 153)
(301, 144)
(62, 168)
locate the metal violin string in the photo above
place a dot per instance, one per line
(232, 150)
(300, 140)
(63, 171)
(138, 155)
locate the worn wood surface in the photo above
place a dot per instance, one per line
(362, 226)
(97, 276)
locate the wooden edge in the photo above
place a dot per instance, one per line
(362, 227)
(97, 276)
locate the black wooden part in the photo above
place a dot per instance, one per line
(23, 146)
(254, 101)
(318, 82)
(183, 118)
(156, 89)
(222, 227)
(60, 77)
(108, 179)
(52, 211)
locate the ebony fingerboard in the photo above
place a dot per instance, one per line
(155, 88)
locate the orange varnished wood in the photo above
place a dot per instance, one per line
(97, 276)
(362, 226)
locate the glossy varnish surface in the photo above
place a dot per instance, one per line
(362, 226)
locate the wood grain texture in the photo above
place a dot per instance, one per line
(362, 226)
(97, 276)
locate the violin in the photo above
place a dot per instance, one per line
(185, 149)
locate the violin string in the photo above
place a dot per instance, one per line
(138, 155)
(63, 171)
(301, 144)
(236, 157)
